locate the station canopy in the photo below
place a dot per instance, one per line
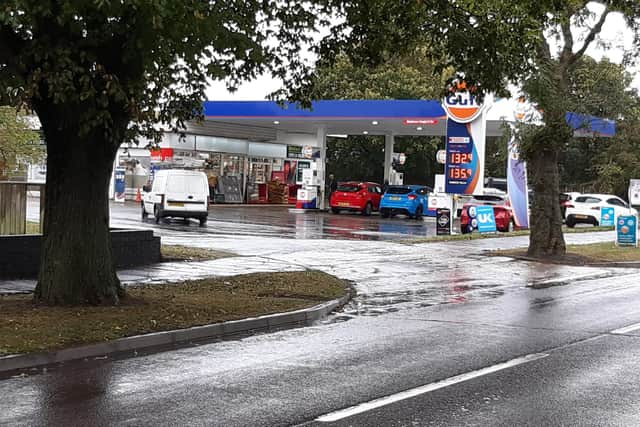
(357, 117)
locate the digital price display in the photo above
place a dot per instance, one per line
(462, 163)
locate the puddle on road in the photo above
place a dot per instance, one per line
(380, 303)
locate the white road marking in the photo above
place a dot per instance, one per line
(626, 329)
(407, 394)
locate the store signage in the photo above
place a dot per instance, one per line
(466, 130)
(627, 231)
(607, 217)
(441, 156)
(299, 152)
(463, 107)
(119, 184)
(443, 222)
(417, 122)
(482, 218)
(161, 155)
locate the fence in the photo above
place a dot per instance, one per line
(13, 206)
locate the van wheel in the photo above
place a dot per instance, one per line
(203, 221)
(367, 210)
(418, 214)
(144, 212)
(156, 214)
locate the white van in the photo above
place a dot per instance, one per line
(177, 193)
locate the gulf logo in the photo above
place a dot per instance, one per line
(462, 107)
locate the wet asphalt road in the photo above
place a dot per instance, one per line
(423, 313)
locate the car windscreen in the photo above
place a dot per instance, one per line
(398, 190)
(587, 199)
(487, 198)
(190, 184)
(348, 188)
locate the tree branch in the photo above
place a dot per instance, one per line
(590, 37)
(567, 51)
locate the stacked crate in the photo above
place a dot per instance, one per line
(278, 192)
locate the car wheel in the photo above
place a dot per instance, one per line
(570, 221)
(335, 210)
(203, 221)
(156, 214)
(595, 222)
(144, 212)
(384, 213)
(418, 214)
(367, 210)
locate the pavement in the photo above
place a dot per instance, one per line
(424, 315)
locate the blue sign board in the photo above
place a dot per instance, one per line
(119, 184)
(607, 217)
(482, 218)
(627, 231)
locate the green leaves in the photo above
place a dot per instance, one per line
(138, 61)
(18, 143)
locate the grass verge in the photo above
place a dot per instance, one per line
(25, 327)
(476, 235)
(594, 253)
(186, 253)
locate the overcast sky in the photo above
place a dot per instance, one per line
(614, 33)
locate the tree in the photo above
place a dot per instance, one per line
(537, 43)
(18, 143)
(100, 73)
(411, 76)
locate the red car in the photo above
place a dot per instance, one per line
(501, 210)
(361, 197)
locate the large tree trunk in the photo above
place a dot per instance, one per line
(546, 237)
(76, 265)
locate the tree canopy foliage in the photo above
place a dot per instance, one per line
(100, 73)
(18, 142)
(413, 76)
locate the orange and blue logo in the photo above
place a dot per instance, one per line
(462, 107)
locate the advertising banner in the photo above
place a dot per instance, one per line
(627, 231)
(119, 184)
(466, 131)
(517, 188)
(443, 222)
(483, 218)
(607, 217)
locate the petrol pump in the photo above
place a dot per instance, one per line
(309, 190)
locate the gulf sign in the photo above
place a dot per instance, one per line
(462, 107)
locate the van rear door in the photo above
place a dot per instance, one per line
(187, 192)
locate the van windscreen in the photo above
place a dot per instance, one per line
(191, 184)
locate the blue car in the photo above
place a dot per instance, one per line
(410, 200)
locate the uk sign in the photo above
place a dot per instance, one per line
(607, 217)
(482, 218)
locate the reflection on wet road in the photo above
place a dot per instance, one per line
(423, 313)
(278, 221)
(389, 276)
